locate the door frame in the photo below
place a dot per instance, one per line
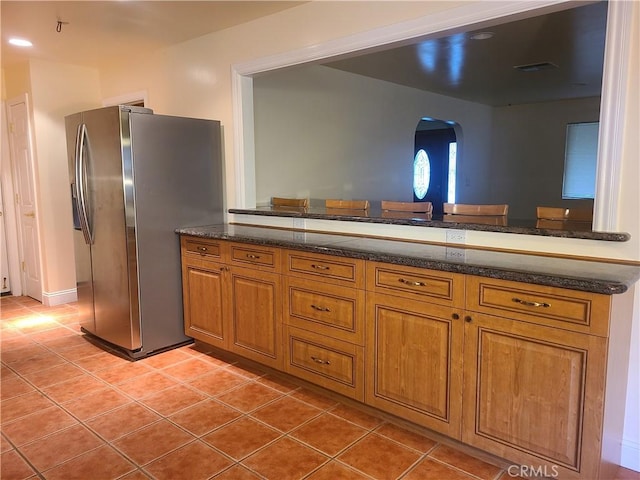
(9, 205)
(24, 98)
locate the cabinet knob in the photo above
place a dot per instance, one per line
(455, 316)
(468, 318)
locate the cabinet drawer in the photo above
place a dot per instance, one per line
(443, 288)
(330, 363)
(263, 258)
(206, 248)
(337, 270)
(323, 308)
(568, 309)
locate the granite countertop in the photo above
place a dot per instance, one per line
(376, 215)
(575, 274)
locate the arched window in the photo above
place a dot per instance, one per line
(421, 174)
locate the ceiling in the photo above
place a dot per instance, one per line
(98, 33)
(570, 44)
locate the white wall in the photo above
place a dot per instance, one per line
(324, 133)
(57, 90)
(528, 142)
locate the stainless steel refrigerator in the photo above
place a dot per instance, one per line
(136, 177)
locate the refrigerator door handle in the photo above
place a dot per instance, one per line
(81, 181)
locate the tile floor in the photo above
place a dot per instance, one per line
(71, 410)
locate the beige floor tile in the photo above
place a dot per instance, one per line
(96, 403)
(22, 405)
(237, 472)
(241, 437)
(334, 471)
(406, 437)
(103, 463)
(218, 382)
(152, 442)
(38, 424)
(379, 457)
(286, 414)
(58, 447)
(14, 467)
(430, 469)
(146, 385)
(189, 369)
(173, 399)
(195, 461)
(122, 421)
(13, 387)
(285, 459)
(356, 416)
(73, 388)
(329, 434)
(465, 462)
(249, 396)
(53, 375)
(203, 417)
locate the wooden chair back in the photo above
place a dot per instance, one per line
(565, 214)
(412, 207)
(347, 204)
(471, 209)
(290, 202)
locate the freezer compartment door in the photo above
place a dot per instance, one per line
(178, 182)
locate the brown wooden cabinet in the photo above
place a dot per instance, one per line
(414, 346)
(229, 305)
(534, 393)
(324, 309)
(203, 291)
(526, 372)
(255, 308)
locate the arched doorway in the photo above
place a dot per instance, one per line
(434, 163)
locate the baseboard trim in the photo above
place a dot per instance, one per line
(630, 457)
(51, 299)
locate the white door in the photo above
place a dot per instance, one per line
(5, 286)
(22, 160)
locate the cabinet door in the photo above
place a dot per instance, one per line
(534, 394)
(256, 315)
(204, 302)
(414, 354)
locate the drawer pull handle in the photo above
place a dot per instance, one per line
(203, 249)
(530, 304)
(320, 361)
(319, 267)
(412, 283)
(252, 256)
(320, 309)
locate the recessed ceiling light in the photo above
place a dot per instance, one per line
(20, 42)
(482, 36)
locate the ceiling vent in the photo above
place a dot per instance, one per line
(535, 67)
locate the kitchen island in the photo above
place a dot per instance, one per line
(516, 354)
